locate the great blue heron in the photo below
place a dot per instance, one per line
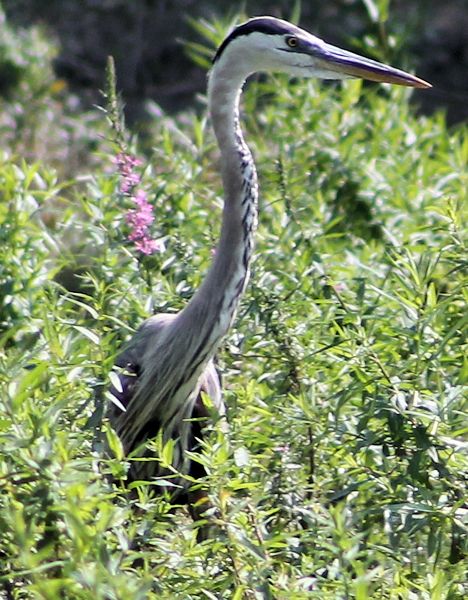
(169, 361)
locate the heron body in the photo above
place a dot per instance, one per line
(169, 361)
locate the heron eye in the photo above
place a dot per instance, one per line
(292, 42)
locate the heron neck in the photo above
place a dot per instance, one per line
(215, 303)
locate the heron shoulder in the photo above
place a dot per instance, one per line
(158, 322)
(144, 338)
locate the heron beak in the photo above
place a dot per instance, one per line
(352, 65)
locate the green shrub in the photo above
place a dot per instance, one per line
(342, 474)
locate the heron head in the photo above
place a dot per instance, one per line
(270, 44)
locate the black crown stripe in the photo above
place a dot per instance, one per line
(268, 25)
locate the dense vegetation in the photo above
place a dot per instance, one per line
(343, 472)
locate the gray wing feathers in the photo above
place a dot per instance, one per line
(131, 361)
(151, 344)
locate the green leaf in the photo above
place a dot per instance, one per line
(114, 443)
(91, 335)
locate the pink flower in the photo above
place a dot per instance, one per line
(126, 161)
(128, 182)
(149, 246)
(141, 217)
(126, 164)
(141, 198)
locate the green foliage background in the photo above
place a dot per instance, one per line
(343, 473)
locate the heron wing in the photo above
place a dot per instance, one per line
(128, 367)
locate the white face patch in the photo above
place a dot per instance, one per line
(258, 51)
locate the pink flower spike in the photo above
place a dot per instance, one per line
(141, 217)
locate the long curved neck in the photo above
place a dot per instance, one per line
(183, 349)
(214, 305)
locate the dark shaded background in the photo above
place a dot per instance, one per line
(144, 37)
